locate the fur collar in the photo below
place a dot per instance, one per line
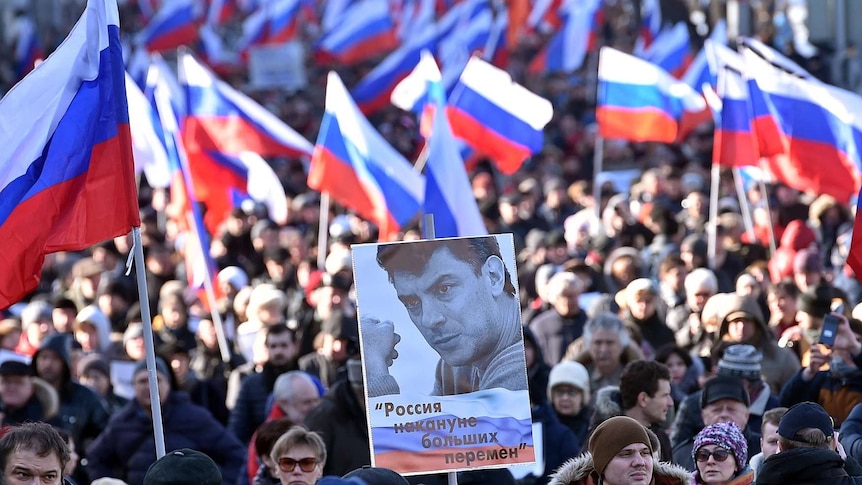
(579, 471)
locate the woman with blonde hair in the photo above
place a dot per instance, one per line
(299, 456)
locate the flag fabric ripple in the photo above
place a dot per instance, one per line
(67, 178)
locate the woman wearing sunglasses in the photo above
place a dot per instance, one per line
(299, 455)
(721, 456)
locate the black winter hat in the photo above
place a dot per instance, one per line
(183, 467)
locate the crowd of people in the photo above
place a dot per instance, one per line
(647, 357)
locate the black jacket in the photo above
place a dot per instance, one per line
(808, 466)
(127, 447)
(249, 411)
(340, 420)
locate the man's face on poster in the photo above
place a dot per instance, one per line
(453, 306)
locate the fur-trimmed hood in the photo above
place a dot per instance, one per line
(47, 396)
(608, 404)
(579, 471)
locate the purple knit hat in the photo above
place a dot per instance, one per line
(726, 435)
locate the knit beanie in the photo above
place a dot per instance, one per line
(726, 435)
(571, 373)
(613, 435)
(741, 361)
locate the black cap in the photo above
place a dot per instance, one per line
(723, 387)
(15, 368)
(183, 467)
(805, 415)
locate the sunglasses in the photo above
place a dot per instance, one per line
(720, 454)
(288, 464)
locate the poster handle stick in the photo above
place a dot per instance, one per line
(428, 228)
(323, 230)
(149, 345)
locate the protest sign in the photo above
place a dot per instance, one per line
(443, 354)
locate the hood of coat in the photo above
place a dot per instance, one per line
(47, 396)
(608, 404)
(799, 465)
(579, 471)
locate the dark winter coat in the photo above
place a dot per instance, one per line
(41, 406)
(340, 420)
(837, 395)
(580, 471)
(559, 442)
(538, 373)
(808, 466)
(851, 433)
(82, 412)
(127, 447)
(249, 411)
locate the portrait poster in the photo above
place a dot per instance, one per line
(443, 354)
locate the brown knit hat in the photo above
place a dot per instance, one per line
(613, 435)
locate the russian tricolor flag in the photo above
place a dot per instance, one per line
(734, 144)
(812, 129)
(275, 22)
(671, 50)
(566, 50)
(496, 116)
(151, 158)
(200, 267)
(650, 23)
(373, 91)
(220, 11)
(448, 195)
(67, 178)
(638, 101)
(221, 125)
(175, 24)
(366, 29)
(359, 169)
(700, 71)
(224, 119)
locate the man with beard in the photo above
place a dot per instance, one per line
(250, 408)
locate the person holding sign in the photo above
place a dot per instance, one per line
(460, 297)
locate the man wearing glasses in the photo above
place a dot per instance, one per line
(724, 399)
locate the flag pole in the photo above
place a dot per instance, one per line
(765, 195)
(323, 230)
(598, 155)
(712, 237)
(744, 208)
(422, 159)
(149, 345)
(210, 292)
